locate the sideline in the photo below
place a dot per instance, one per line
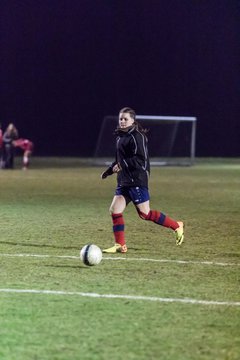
(117, 296)
(126, 258)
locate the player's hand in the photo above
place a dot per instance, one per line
(117, 168)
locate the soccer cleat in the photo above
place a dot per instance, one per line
(116, 248)
(179, 233)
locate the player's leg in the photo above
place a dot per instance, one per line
(159, 218)
(26, 156)
(8, 156)
(118, 204)
(116, 210)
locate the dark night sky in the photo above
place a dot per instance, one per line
(65, 64)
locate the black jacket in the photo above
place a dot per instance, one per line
(132, 156)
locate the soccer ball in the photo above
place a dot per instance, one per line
(91, 255)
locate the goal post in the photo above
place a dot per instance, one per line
(172, 139)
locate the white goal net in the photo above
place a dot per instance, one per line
(172, 139)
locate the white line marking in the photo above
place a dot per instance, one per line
(174, 261)
(117, 296)
(126, 259)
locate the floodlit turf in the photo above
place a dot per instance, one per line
(189, 310)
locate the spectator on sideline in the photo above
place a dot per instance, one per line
(10, 134)
(27, 147)
(132, 167)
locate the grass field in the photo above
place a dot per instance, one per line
(158, 301)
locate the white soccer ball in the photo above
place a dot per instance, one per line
(91, 255)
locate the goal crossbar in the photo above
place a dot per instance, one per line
(163, 119)
(175, 119)
(167, 118)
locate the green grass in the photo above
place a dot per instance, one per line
(59, 205)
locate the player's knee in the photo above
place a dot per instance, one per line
(143, 215)
(113, 211)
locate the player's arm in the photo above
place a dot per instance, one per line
(109, 171)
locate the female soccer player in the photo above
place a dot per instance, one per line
(27, 147)
(133, 168)
(9, 135)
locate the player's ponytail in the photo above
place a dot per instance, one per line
(140, 128)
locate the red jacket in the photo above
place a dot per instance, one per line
(24, 144)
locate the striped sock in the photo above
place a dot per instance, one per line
(159, 218)
(118, 228)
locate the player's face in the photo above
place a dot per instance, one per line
(125, 120)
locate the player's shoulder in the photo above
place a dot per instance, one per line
(138, 134)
